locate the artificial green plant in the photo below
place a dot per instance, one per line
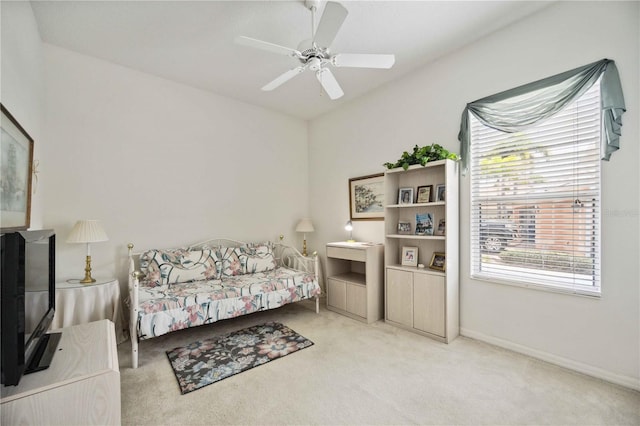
(422, 156)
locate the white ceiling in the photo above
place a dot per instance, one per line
(192, 42)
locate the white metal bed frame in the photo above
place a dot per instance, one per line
(285, 256)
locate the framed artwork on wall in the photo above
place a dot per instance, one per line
(366, 197)
(16, 162)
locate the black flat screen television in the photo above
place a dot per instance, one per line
(27, 303)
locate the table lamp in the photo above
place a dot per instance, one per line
(304, 226)
(349, 227)
(87, 231)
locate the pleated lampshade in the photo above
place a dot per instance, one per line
(305, 225)
(87, 231)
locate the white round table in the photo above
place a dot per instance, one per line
(78, 303)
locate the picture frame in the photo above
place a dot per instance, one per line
(404, 227)
(424, 194)
(438, 261)
(366, 197)
(424, 224)
(441, 227)
(16, 171)
(440, 192)
(405, 196)
(409, 256)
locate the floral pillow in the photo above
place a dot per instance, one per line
(166, 267)
(258, 257)
(228, 261)
(259, 262)
(260, 248)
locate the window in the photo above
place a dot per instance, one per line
(535, 199)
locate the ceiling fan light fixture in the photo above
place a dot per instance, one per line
(315, 64)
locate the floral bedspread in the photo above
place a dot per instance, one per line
(163, 309)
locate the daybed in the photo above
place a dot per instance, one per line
(173, 289)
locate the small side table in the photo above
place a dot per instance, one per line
(78, 303)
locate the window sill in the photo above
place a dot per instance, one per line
(581, 292)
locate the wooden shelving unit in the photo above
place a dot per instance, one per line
(423, 300)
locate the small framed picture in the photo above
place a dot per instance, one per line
(440, 192)
(438, 261)
(405, 196)
(409, 256)
(404, 227)
(424, 224)
(424, 194)
(441, 227)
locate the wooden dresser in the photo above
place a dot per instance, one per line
(81, 387)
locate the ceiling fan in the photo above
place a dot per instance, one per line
(314, 54)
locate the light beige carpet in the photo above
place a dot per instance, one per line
(368, 374)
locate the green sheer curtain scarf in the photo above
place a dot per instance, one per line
(516, 109)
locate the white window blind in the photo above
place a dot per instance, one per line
(535, 200)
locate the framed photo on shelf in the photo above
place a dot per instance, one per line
(405, 196)
(424, 194)
(424, 224)
(441, 227)
(409, 256)
(366, 197)
(440, 192)
(438, 261)
(404, 227)
(16, 170)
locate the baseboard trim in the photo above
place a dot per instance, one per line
(618, 379)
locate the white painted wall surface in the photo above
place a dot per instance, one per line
(22, 82)
(162, 164)
(600, 337)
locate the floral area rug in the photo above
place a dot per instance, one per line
(208, 361)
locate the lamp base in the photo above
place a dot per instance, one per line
(351, 241)
(87, 273)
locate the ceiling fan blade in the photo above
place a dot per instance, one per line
(283, 78)
(329, 83)
(265, 45)
(363, 60)
(332, 18)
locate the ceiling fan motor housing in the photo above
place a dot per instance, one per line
(308, 50)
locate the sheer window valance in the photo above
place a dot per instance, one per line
(516, 109)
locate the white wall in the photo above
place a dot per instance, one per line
(600, 337)
(162, 164)
(111, 134)
(22, 82)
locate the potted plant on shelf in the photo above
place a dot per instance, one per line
(422, 156)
